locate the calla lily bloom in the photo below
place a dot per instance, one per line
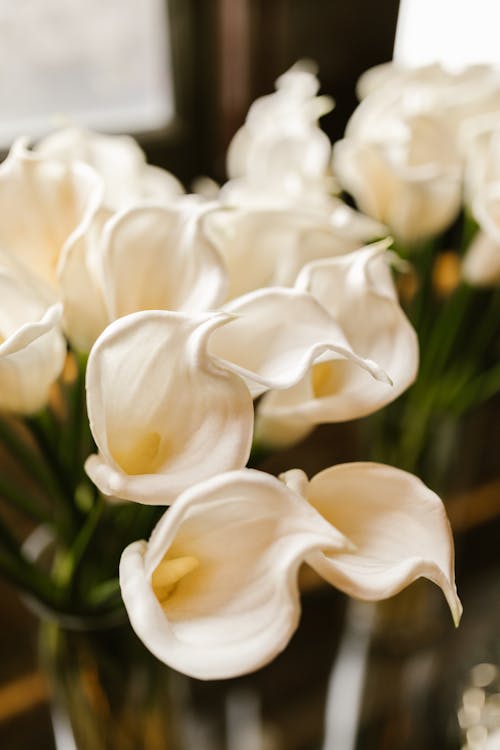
(405, 171)
(162, 412)
(268, 247)
(43, 202)
(144, 258)
(281, 148)
(118, 160)
(358, 292)
(214, 592)
(397, 525)
(32, 347)
(277, 334)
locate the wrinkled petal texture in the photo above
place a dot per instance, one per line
(162, 413)
(214, 594)
(398, 526)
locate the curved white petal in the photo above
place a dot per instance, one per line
(481, 266)
(85, 313)
(409, 178)
(32, 348)
(214, 593)
(162, 413)
(42, 203)
(399, 528)
(268, 247)
(119, 161)
(276, 335)
(158, 258)
(358, 292)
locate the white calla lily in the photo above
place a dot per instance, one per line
(268, 247)
(32, 348)
(408, 176)
(162, 412)
(275, 336)
(43, 203)
(214, 593)
(118, 160)
(358, 292)
(281, 149)
(398, 526)
(144, 258)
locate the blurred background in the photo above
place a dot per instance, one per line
(180, 76)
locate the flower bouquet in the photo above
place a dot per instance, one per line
(156, 345)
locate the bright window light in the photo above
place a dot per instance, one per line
(104, 65)
(453, 32)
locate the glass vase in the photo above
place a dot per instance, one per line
(106, 691)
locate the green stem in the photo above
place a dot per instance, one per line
(45, 444)
(30, 460)
(444, 332)
(69, 563)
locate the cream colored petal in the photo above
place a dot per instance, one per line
(79, 277)
(481, 266)
(32, 348)
(214, 593)
(358, 292)
(266, 247)
(120, 162)
(162, 413)
(408, 177)
(275, 337)
(399, 528)
(42, 202)
(158, 258)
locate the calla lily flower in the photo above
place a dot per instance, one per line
(162, 412)
(281, 149)
(144, 258)
(358, 292)
(118, 160)
(266, 247)
(407, 177)
(214, 592)
(32, 348)
(43, 202)
(398, 526)
(277, 334)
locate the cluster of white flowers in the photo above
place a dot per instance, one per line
(190, 309)
(418, 141)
